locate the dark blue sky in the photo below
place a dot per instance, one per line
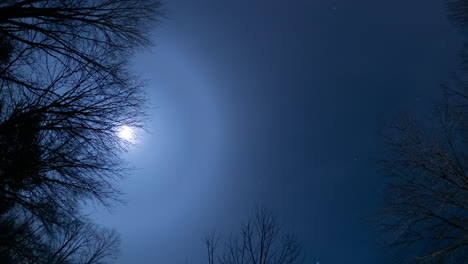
(279, 103)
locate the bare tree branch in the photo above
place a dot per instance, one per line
(427, 196)
(259, 242)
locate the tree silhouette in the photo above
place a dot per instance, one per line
(427, 197)
(79, 241)
(260, 241)
(61, 147)
(426, 209)
(96, 34)
(65, 90)
(458, 13)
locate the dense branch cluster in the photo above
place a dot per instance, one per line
(426, 212)
(65, 90)
(79, 242)
(428, 190)
(427, 197)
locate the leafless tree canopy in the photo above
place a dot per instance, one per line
(260, 241)
(65, 142)
(79, 242)
(97, 34)
(66, 88)
(64, 92)
(427, 198)
(427, 203)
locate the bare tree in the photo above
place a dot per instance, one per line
(211, 243)
(83, 243)
(97, 34)
(78, 242)
(65, 90)
(427, 196)
(260, 241)
(59, 148)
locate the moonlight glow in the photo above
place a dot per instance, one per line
(127, 133)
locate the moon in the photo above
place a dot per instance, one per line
(126, 133)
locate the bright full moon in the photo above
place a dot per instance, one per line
(127, 133)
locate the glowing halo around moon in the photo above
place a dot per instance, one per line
(126, 133)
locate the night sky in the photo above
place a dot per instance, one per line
(280, 104)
